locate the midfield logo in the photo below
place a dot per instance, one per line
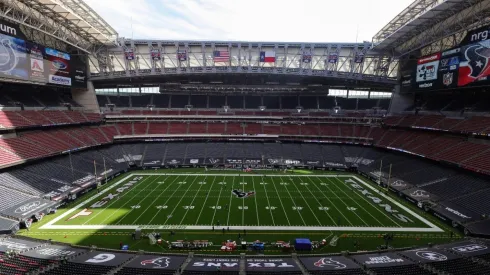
(329, 262)
(241, 194)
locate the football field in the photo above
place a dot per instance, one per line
(247, 201)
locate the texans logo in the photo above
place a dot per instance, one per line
(241, 194)
(162, 262)
(477, 64)
(60, 65)
(329, 262)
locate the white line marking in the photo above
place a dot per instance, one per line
(166, 202)
(280, 200)
(433, 228)
(408, 210)
(155, 200)
(229, 206)
(258, 228)
(204, 204)
(301, 194)
(333, 204)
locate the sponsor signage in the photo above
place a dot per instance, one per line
(428, 255)
(16, 244)
(102, 258)
(467, 248)
(271, 264)
(29, 208)
(328, 263)
(157, 262)
(214, 264)
(381, 260)
(477, 35)
(52, 252)
(60, 80)
(456, 212)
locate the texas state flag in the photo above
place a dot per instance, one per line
(268, 56)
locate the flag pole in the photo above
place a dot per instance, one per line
(95, 172)
(380, 166)
(389, 177)
(71, 166)
(105, 171)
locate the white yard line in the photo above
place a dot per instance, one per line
(280, 200)
(408, 210)
(229, 206)
(217, 201)
(320, 204)
(181, 198)
(127, 201)
(156, 214)
(155, 200)
(301, 194)
(255, 228)
(432, 227)
(256, 204)
(204, 204)
(269, 203)
(139, 203)
(197, 192)
(333, 204)
(298, 211)
(236, 175)
(76, 207)
(115, 199)
(243, 206)
(368, 212)
(355, 213)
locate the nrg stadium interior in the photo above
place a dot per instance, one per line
(138, 156)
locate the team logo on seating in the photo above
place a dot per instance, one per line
(241, 194)
(419, 194)
(329, 262)
(161, 262)
(431, 256)
(398, 183)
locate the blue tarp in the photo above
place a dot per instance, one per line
(302, 244)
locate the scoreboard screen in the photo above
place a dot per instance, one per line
(25, 60)
(464, 66)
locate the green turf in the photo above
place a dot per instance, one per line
(289, 200)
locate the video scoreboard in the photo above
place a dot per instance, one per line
(464, 66)
(26, 60)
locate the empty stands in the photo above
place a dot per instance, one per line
(29, 118)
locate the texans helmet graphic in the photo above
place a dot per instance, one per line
(241, 194)
(162, 262)
(323, 262)
(477, 64)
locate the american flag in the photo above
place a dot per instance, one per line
(221, 56)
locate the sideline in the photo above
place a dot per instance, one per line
(432, 227)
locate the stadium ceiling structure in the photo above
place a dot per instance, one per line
(70, 21)
(431, 25)
(141, 58)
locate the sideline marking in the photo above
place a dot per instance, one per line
(433, 227)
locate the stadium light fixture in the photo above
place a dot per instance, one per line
(262, 108)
